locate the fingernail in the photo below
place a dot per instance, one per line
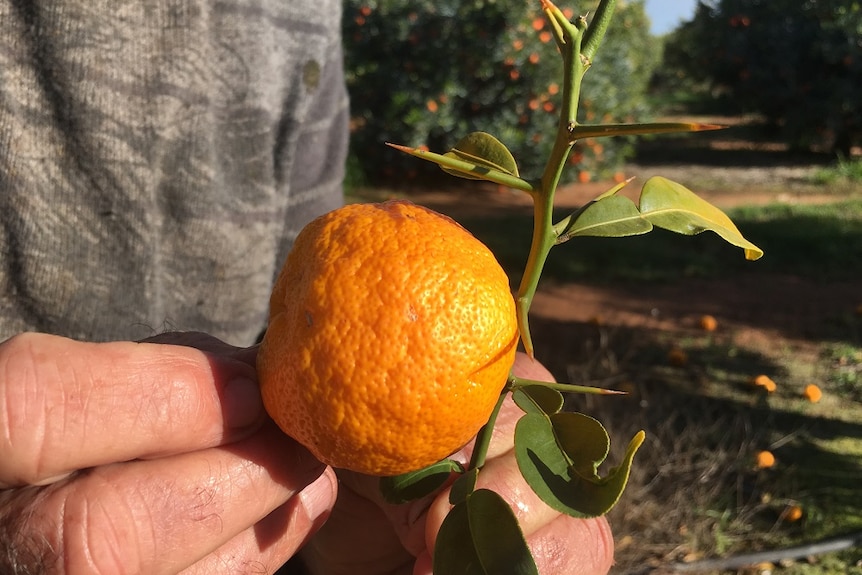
(241, 403)
(319, 496)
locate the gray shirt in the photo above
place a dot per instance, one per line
(158, 157)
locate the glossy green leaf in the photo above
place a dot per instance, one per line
(463, 486)
(674, 207)
(538, 399)
(583, 439)
(558, 456)
(614, 190)
(417, 484)
(454, 164)
(612, 216)
(484, 150)
(481, 536)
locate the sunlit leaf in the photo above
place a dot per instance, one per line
(538, 399)
(484, 150)
(611, 216)
(470, 169)
(558, 456)
(481, 536)
(417, 484)
(614, 190)
(674, 207)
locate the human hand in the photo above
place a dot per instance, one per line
(147, 458)
(364, 535)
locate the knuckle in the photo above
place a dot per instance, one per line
(83, 525)
(102, 530)
(115, 524)
(23, 410)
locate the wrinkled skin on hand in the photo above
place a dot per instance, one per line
(157, 457)
(152, 457)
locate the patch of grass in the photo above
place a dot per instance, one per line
(843, 171)
(817, 241)
(844, 370)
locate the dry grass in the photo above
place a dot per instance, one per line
(695, 491)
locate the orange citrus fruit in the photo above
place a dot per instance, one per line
(765, 382)
(764, 459)
(792, 513)
(708, 323)
(391, 334)
(812, 393)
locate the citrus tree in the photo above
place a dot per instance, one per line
(799, 64)
(427, 72)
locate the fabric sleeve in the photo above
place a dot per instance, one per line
(158, 157)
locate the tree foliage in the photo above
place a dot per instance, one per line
(796, 62)
(426, 72)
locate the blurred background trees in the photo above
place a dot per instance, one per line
(427, 72)
(798, 63)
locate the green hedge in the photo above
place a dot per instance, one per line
(425, 73)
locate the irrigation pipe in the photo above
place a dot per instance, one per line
(838, 543)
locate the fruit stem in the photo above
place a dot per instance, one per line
(483, 438)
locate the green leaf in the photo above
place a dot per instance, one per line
(481, 536)
(454, 164)
(559, 455)
(674, 207)
(584, 440)
(463, 486)
(482, 149)
(417, 484)
(538, 399)
(611, 216)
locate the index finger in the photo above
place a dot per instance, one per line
(67, 405)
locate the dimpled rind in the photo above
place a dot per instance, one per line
(392, 332)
